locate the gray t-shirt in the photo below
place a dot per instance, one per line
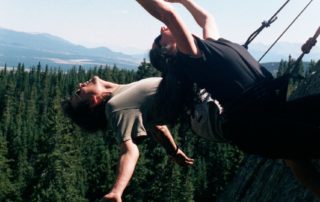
(128, 105)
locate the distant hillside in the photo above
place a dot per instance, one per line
(282, 50)
(30, 49)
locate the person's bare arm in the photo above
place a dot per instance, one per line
(164, 12)
(204, 19)
(164, 137)
(128, 160)
(305, 172)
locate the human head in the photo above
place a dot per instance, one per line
(167, 41)
(86, 107)
(163, 50)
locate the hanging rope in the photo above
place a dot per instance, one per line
(264, 24)
(306, 48)
(294, 20)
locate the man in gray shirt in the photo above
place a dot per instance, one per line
(128, 110)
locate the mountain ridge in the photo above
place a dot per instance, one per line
(32, 48)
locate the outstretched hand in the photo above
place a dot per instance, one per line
(111, 197)
(182, 159)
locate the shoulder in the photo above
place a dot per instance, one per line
(204, 44)
(134, 95)
(150, 81)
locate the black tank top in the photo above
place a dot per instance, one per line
(225, 69)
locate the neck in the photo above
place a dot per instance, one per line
(108, 88)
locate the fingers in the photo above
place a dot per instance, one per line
(182, 159)
(111, 197)
(186, 162)
(189, 161)
(163, 29)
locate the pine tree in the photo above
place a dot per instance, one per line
(61, 172)
(6, 187)
(100, 162)
(283, 66)
(23, 170)
(146, 70)
(200, 180)
(311, 69)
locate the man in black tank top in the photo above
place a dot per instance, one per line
(256, 119)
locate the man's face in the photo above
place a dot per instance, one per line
(86, 91)
(167, 40)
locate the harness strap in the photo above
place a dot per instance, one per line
(253, 100)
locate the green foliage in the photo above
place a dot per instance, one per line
(44, 157)
(6, 186)
(146, 70)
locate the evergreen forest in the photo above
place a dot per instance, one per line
(46, 158)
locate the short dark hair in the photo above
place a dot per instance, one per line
(159, 57)
(91, 119)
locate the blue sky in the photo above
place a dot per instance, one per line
(123, 23)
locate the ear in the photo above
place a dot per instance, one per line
(95, 100)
